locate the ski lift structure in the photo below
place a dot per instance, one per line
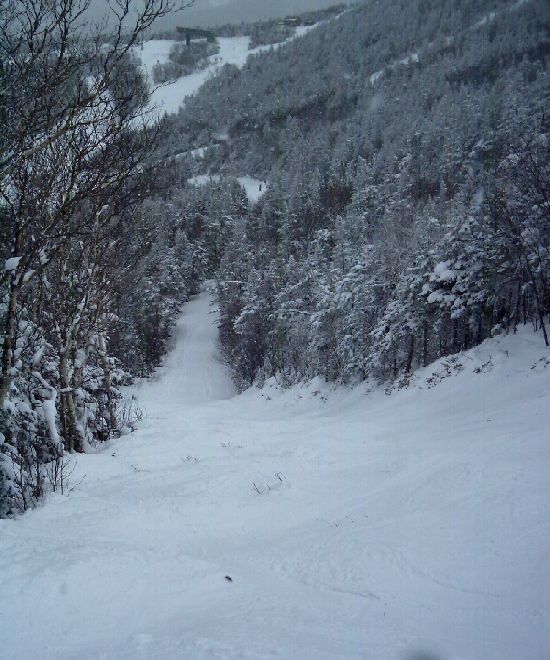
(291, 21)
(192, 34)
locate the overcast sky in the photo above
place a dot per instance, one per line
(234, 11)
(216, 12)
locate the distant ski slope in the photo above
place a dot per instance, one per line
(168, 98)
(351, 525)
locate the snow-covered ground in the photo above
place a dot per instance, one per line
(254, 188)
(152, 52)
(200, 152)
(351, 525)
(203, 179)
(168, 98)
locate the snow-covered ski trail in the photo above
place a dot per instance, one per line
(351, 526)
(192, 372)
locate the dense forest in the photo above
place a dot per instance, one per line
(405, 147)
(406, 215)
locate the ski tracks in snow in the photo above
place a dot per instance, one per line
(351, 526)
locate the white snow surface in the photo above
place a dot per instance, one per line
(154, 51)
(204, 179)
(11, 264)
(352, 524)
(199, 152)
(254, 188)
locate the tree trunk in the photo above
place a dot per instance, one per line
(70, 422)
(410, 355)
(425, 344)
(102, 350)
(9, 342)
(456, 346)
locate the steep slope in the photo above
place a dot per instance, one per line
(351, 525)
(191, 374)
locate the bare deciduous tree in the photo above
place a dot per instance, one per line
(70, 136)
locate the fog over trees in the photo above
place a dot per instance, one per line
(209, 13)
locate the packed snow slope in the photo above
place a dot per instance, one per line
(352, 525)
(168, 98)
(254, 188)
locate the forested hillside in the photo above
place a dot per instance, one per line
(405, 147)
(401, 154)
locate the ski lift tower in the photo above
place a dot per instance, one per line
(196, 33)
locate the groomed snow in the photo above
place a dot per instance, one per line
(204, 179)
(351, 525)
(199, 153)
(254, 188)
(152, 52)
